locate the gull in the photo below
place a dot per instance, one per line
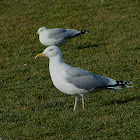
(57, 36)
(76, 81)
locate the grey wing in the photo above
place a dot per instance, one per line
(62, 33)
(86, 80)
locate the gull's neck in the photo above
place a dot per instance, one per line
(55, 61)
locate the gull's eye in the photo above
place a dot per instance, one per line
(51, 50)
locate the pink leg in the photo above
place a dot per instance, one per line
(83, 101)
(76, 99)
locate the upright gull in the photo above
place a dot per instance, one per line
(74, 80)
(57, 36)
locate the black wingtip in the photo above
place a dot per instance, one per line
(123, 83)
(84, 31)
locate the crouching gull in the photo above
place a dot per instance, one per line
(74, 80)
(57, 36)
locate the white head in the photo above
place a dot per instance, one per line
(40, 30)
(51, 51)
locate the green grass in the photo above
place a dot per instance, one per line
(31, 107)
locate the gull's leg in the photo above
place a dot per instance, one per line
(83, 101)
(76, 99)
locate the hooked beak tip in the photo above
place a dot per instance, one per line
(39, 55)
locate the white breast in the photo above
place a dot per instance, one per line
(58, 76)
(46, 41)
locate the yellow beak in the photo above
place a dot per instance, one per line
(39, 55)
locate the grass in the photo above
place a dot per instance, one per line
(31, 107)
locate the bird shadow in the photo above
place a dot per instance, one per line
(113, 102)
(92, 45)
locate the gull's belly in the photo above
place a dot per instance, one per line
(65, 87)
(52, 41)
